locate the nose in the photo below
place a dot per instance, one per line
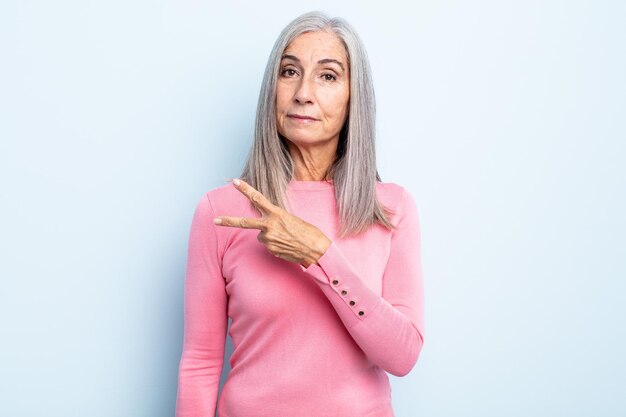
(304, 92)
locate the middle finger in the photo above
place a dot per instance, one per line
(242, 222)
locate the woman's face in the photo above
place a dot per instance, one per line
(313, 89)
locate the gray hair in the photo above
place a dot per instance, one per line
(269, 166)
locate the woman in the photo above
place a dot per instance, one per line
(324, 289)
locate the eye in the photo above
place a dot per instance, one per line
(332, 77)
(288, 72)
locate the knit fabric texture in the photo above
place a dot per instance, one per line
(308, 342)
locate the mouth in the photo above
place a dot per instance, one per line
(301, 117)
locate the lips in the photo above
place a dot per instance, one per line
(300, 117)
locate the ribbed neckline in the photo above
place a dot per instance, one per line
(311, 185)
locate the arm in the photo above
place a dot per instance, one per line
(388, 328)
(205, 319)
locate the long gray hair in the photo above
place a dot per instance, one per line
(269, 166)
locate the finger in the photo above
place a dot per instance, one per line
(255, 196)
(242, 222)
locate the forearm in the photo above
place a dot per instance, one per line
(385, 334)
(388, 334)
(389, 327)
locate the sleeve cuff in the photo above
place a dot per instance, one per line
(336, 272)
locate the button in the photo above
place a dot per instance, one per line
(344, 292)
(352, 303)
(361, 313)
(335, 282)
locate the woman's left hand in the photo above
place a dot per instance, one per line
(285, 235)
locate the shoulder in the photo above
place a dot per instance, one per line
(392, 194)
(226, 200)
(397, 198)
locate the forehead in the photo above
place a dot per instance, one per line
(315, 44)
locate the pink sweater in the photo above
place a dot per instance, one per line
(308, 342)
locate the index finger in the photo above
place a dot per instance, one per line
(255, 196)
(241, 222)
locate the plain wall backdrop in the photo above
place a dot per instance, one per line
(505, 119)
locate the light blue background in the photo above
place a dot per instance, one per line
(505, 119)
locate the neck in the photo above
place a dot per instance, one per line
(311, 163)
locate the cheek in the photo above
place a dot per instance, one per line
(342, 103)
(279, 102)
(281, 98)
(334, 105)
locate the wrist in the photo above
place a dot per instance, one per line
(320, 249)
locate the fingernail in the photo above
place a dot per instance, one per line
(217, 221)
(236, 181)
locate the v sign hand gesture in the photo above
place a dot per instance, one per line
(285, 235)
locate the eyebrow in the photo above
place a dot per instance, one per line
(321, 61)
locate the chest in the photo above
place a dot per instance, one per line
(263, 286)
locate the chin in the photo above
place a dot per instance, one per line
(300, 139)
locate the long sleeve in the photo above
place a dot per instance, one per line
(388, 328)
(205, 319)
